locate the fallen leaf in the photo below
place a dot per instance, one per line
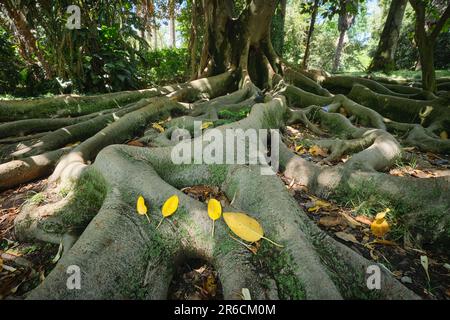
(246, 294)
(158, 127)
(380, 226)
(58, 254)
(169, 208)
(142, 208)
(135, 143)
(245, 227)
(1, 264)
(72, 144)
(331, 221)
(444, 135)
(420, 174)
(319, 204)
(346, 237)
(206, 125)
(424, 263)
(210, 285)
(385, 242)
(214, 211)
(318, 151)
(300, 150)
(364, 220)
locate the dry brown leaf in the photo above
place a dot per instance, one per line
(364, 220)
(135, 143)
(421, 174)
(350, 220)
(346, 237)
(318, 151)
(329, 221)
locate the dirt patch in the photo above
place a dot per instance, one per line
(195, 280)
(23, 266)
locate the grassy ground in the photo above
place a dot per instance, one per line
(400, 74)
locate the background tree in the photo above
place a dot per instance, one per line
(383, 59)
(426, 35)
(312, 8)
(347, 11)
(278, 27)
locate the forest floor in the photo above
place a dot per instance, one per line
(348, 220)
(399, 74)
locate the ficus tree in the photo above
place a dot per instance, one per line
(107, 151)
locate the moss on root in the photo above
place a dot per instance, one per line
(278, 265)
(88, 195)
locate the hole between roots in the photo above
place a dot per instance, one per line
(195, 279)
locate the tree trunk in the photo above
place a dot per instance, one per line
(426, 53)
(155, 36)
(172, 28)
(338, 54)
(278, 25)
(193, 39)
(426, 43)
(310, 33)
(229, 42)
(26, 38)
(384, 56)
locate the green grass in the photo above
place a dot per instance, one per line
(37, 199)
(400, 74)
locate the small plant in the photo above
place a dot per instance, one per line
(37, 199)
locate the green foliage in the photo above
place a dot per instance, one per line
(164, 66)
(9, 64)
(234, 116)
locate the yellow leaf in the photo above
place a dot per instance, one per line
(380, 227)
(214, 209)
(300, 149)
(72, 144)
(206, 125)
(210, 285)
(214, 212)
(141, 207)
(382, 215)
(444, 135)
(319, 204)
(170, 206)
(318, 151)
(158, 127)
(245, 227)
